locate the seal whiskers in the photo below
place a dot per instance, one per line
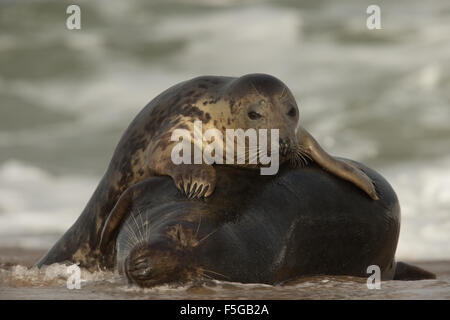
(131, 233)
(206, 237)
(299, 157)
(203, 270)
(137, 227)
(198, 227)
(145, 225)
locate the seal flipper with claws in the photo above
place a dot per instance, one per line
(193, 180)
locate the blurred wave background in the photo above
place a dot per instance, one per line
(381, 97)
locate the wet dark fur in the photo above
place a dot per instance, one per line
(262, 230)
(254, 229)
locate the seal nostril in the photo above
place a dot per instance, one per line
(284, 146)
(141, 265)
(138, 269)
(288, 141)
(142, 272)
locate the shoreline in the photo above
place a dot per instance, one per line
(18, 281)
(10, 256)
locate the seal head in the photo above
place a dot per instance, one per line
(261, 101)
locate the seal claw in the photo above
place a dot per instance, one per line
(199, 190)
(209, 191)
(188, 189)
(181, 187)
(193, 191)
(202, 194)
(192, 179)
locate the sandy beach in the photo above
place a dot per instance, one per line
(18, 280)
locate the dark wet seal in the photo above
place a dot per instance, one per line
(257, 230)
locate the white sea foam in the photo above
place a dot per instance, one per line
(33, 202)
(424, 193)
(55, 274)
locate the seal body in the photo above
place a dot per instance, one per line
(299, 223)
(255, 101)
(257, 229)
(266, 229)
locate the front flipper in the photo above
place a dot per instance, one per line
(342, 169)
(194, 180)
(116, 217)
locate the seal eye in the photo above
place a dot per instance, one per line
(254, 115)
(292, 112)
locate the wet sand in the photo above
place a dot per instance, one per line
(18, 280)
